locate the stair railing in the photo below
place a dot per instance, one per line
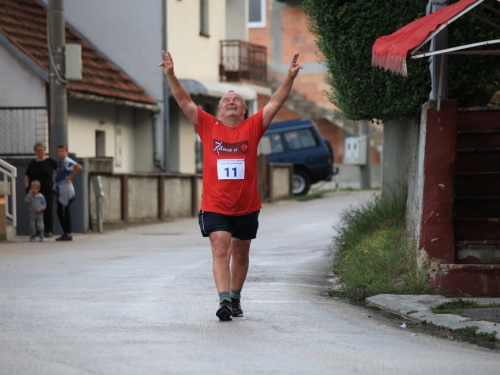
(8, 173)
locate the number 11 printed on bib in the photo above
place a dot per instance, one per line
(231, 169)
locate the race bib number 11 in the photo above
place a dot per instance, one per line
(231, 169)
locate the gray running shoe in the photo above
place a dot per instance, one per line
(225, 312)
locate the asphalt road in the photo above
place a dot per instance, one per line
(143, 301)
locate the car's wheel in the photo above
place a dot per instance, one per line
(301, 182)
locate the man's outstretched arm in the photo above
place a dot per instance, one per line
(279, 97)
(189, 108)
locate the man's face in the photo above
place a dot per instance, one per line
(62, 153)
(231, 106)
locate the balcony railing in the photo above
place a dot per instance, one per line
(8, 173)
(243, 62)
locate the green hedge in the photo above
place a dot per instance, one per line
(346, 31)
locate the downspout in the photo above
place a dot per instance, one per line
(156, 159)
(166, 94)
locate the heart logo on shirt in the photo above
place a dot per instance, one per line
(243, 148)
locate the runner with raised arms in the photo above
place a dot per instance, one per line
(230, 202)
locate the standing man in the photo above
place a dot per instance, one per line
(65, 191)
(230, 202)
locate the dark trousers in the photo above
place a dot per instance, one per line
(64, 216)
(48, 213)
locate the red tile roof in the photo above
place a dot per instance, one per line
(24, 24)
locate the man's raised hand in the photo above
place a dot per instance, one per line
(167, 64)
(294, 66)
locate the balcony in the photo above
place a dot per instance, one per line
(243, 62)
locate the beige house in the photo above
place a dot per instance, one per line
(133, 38)
(194, 41)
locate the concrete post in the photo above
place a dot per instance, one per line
(58, 98)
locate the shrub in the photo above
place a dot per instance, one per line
(373, 253)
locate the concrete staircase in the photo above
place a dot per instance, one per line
(477, 189)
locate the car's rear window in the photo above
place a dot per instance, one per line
(300, 139)
(271, 144)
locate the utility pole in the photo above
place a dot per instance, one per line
(364, 170)
(58, 98)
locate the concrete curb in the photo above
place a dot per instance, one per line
(422, 304)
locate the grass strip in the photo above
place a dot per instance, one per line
(458, 305)
(469, 334)
(373, 253)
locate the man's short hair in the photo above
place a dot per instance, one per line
(242, 100)
(38, 144)
(63, 146)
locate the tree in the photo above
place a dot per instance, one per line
(345, 32)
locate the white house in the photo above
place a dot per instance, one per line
(109, 115)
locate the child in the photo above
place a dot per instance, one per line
(64, 189)
(36, 206)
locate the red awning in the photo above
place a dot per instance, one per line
(391, 51)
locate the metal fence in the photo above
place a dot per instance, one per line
(243, 61)
(21, 128)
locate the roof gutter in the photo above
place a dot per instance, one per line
(108, 100)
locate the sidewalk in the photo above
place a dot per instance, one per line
(419, 307)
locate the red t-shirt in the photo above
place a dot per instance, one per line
(230, 164)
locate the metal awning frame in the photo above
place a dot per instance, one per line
(414, 54)
(461, 50)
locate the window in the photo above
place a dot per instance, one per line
(271, 144)
(299, 139)
(100, 144)
(276, 143)
(256, 13)
(204, 18)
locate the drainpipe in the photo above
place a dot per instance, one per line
(156, 160)
(166, 94)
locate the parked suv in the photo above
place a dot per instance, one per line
(299, 142)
